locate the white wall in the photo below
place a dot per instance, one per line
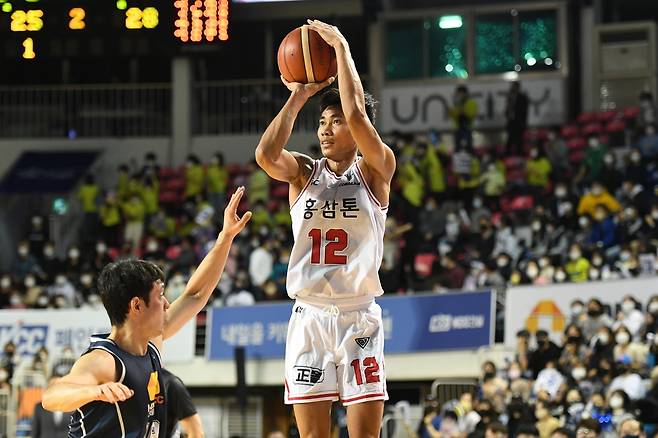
(236, 149)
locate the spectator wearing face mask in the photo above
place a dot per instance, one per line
(63, 289)
(620, 405)
(603, 233)
(595, 319)
(557, 153)
(50, 263)
(629, 427)
(573, 409)
(574, 349)
(652, 315)
(597, 195)
(610, 177)
(37, 236)
(73, 261)
(538, 171)
(545, 352)
(24, 262)
(630, 317)
(577, 268)
(588, 428)
(628, 351)
(577, 311)
(636, 170)
(493, 183)
(546, 423)
(590, 168)
(628, 381)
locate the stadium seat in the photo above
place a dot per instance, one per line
(586, 118)
(577, 143)
(423, 264)
(617, 125)
(592, 128)
(631, 112)
(606, 116)
(570, 131)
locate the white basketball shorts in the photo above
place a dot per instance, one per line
(335, 354)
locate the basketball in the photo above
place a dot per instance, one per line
(305, 57)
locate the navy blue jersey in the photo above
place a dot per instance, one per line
(141, 416)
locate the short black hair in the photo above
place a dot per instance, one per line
(331, 97)
(121, 281)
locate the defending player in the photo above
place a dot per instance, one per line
(335, 341)
(115, 388)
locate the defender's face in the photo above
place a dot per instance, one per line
(157, 308)
(336, 141)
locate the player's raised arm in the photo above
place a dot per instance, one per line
(205, 278)
(92, 378)
(376, 154)
(270, 153)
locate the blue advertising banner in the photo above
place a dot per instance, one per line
(416, 323)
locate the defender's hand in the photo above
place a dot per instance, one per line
(233, 224)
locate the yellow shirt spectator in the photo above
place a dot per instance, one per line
(597, 196)
(433, 170)
(538, 171)
(577, 270)
(194, 178)
(133, 210)
(217, 178)
(413, 185)
(88, 195)
(110, 214)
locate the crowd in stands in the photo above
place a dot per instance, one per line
(571, 204)
(599, 380)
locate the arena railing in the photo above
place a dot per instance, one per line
(110, 110)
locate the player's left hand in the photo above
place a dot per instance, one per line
(233, 224)
(329, 33)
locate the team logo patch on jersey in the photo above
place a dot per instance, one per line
(308, 375)
(362, 342)
(153, 386)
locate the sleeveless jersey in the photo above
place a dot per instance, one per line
(141, 416)
(338, 230)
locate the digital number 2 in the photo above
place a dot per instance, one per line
(77, 19)
(337, 240)
(371, 370)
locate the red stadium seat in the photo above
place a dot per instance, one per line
(577, 143)
(173, 184)
(577, 156)
(592, 128)
(586, 118)
(172, 252)
(617, 125)
(280, 190)
(570, 131)
(273, 205)
(606, 116)
(631, 112)
(169, 197)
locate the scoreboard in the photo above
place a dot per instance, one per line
(33, 29)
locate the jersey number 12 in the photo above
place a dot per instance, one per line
(336, 241)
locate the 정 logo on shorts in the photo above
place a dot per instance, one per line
(308, 375)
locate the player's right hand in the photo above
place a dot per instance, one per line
(113, 392)
(307, 90)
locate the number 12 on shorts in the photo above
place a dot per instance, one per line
(370, 370)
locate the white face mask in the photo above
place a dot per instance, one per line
(477, 203)
(152, 246)
(3, 375)
(622, 338)
(532, 272)
(560, 276)
(654, 214)
(5, 282)
(635, 158)
(60, 280)
(15, 300)
(74, 253)
(583, 222)
(560, 192)
(543, 262)
(514, 373)
(86, 280)
(593, 143)
(100, 248)
(43, 301)
(30, 282)
(574, 255)
(578, 373)
(616, 402)
(627, 306)
(653, 307)
(23, 251)
(576, 310)
(48, 251)
(536, 226)
(604, 339)
(594, 274)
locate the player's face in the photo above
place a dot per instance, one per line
(336, 141)
(157, 308)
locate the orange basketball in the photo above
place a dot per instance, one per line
(305, 57)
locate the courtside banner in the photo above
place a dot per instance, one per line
(548, 307)
(411, 324)
(55, 329)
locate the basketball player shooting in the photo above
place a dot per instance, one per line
(335, 342)
(115, 388)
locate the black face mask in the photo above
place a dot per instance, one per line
(574, 339)
(594, 312)
(489, 375)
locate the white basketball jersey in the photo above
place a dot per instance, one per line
(338, 228)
